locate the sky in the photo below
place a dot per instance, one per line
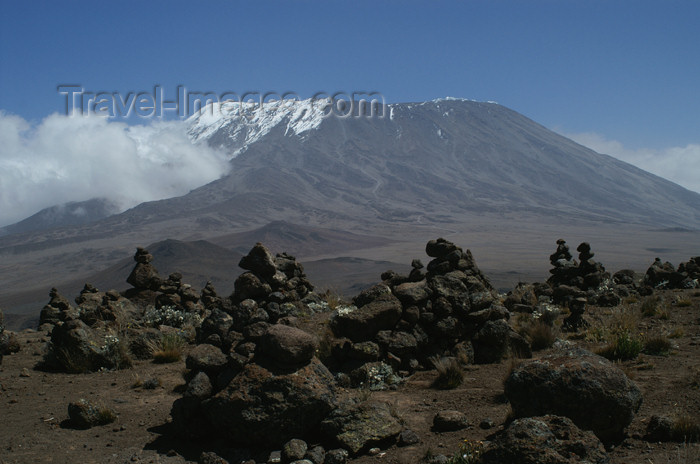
(622, 77)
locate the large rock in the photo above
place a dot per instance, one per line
(359, 426)
(260, 407)
(144, 276)
(548, 439)
(363, 323)
(577, 384)
(412, 293)
(75, 347)
(84, 414)
(260, 261)
(287, 346)
(206, 358)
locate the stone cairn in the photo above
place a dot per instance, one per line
(574, 283)
(663, 275)
(254, 377)
(407, 321)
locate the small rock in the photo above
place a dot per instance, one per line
(449, 421)
(208, 457)
(336, 456)
(487, 423)
(25, 372)
(275, 457)
(294, 450)
(316, 455)
(408, 437)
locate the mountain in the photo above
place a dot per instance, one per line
(322, 187)
(65, 215)
(429, 161)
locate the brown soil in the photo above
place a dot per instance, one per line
(33, 408)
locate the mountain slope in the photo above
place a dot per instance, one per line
(65, 215)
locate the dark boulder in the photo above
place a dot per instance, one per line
(259, 407)
(577, 384)
(363, 323)
(260, 261)
(287, 346)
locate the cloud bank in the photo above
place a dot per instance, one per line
(63, 159)
(677, 164)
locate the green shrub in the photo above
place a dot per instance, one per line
(624, 347)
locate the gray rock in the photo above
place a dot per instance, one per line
(199, 387)
(294, 450)
(207, 358)
(412, 293)
(84, 414)
(548, 439)
(364, 322)
(287, 345)
(360, 426)
(316, 455)
(336, 456)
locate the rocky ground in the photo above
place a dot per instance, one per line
(165, 373)
(35, 428)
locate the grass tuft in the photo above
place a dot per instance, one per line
(540, 335)
(686, 428)
(450, 373)
(657, 345)
(650, 306)
(169, 349)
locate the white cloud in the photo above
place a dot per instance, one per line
(64, 159)
(677, 164)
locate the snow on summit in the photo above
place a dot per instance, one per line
(247, 122)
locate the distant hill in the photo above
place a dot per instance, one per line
(65, 215)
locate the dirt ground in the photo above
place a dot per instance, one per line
(33, 404)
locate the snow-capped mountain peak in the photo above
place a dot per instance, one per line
(246, 122)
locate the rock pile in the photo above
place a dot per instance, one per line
(664, 276)
(550, 439)
(254, 378)
(586, 278)
(92, 335)
(403, 322)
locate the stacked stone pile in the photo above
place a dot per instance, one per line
(664, 276)
(585, 278)
(450, 310)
